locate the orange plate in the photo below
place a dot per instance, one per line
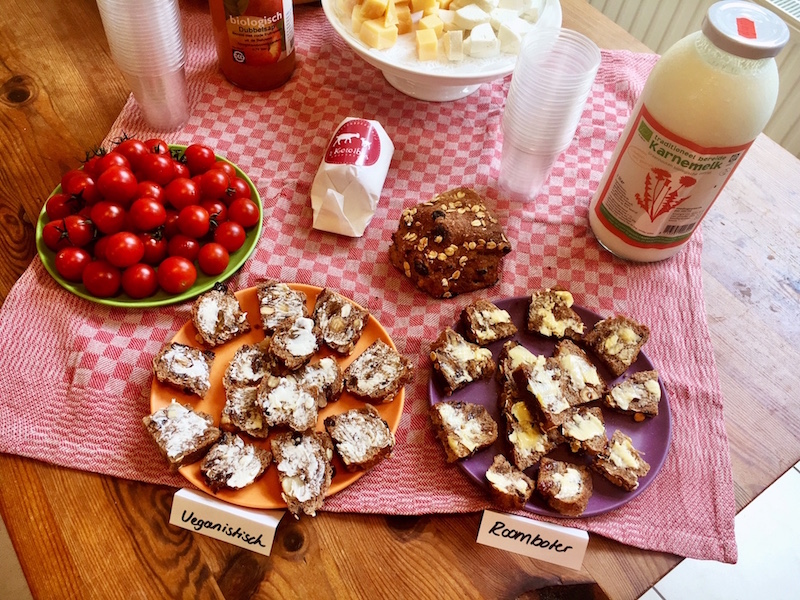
(266, 492)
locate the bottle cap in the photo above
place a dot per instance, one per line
(745, 29)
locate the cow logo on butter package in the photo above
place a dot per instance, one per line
(355, 143)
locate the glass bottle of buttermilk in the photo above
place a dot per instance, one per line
(255, 41)
(703, 105)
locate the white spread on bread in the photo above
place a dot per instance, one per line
(507, 483)
(550, 325)
(461, 430)
(570, 484)
(181, 364)
(526, 435)
(233, 461)
(582, 374)
(583, 426)
(621, 453)
(179, 428)
(461, 353)
(303, 469)
(285, 402)
(486, 319)
(301, 340)
(545, 384)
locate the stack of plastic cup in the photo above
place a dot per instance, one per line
(146, 42)
(549, 87)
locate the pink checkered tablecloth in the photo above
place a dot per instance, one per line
(65, 358)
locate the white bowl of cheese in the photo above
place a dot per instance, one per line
(440, 79)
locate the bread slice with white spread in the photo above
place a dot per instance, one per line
(550, 314)
(484, 322)
(637, 395)
(285, 402)
(277, 302)
(585, 430)
(249, 365)
(304, 468)
(341, 320)
(581, 376)
(378, 373)
(458, 362)
(509, 487)
(616, 341)
(182, 435)
(325, 375)
(185, 367)
(218, 317)
(463, 428)
(242, 412)
(233, 464)
(361, 437)
(566, 487)
(621, 463)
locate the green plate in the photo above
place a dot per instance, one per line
(160, 298)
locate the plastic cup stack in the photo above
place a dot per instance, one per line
(549, 87)
(146, 42)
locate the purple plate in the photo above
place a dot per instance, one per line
(651, 437)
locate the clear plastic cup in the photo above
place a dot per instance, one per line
(163, 98)
(523, 172)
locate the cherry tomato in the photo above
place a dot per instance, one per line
(157, 168)
(176, 274)
(139, 281)
(238, 189)
(147, 213)
(59, 206)
(108, 217)
(155, 248)
(157, 146)
(69, 175)
(181, 170)
(244, 212)
(70, 263)
(194, 221)
(225, 166)
(214, 183)
(124, 249)
(213, 259)
(217, 210)
(117, 184)
(150, 189)
(230, 235)
(100, 248)
(80, 184)
(183, 245)
(199, 158)
(112, 159)
(101, 279)
(171, 228)
(134, 150)
(182, 192)
(90, 165)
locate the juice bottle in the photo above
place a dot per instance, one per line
(255, 41)
(703, 105)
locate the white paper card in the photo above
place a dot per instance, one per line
(555, 544)
(244, 527)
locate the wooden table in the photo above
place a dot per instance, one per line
(81, 535)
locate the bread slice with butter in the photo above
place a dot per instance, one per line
(528, 442)
(638, 395)
(341, 320)
(184, 367)
(550, 314)
(543, 383)
(362, 438)
(566, 487)
(233, 464)
(182, 435)
(485, 323)
(304, 468)
(326, 375)
(285, 402)
(582, 377)
(621, 463)
(218, 317)
(585, 430)
(277, 302)
(458, 362)
(509, 487)
(463, 428)
(378, 373)
(294, 342)
(616, 341)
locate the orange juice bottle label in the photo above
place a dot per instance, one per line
(261, 32)
(660, 186)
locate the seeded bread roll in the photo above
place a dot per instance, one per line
(528, 442)
(585, 430)
(463, 428)
(325, 375)
(621, 463)
(242, 411)
(278, 302)
(637, 395)
(182, 435)
(550, 314)
(218, 317)
(378, 373)
(485, 323)
(566, 487)
(361, 437)
(249, 365)
(581, 375)
(450, 245)
(184, 367)
(617, 341)
(457, 362)
(285, 402)
(294, 342)
(233, 464)
(304, 468)
(508, 486)
(341, 320)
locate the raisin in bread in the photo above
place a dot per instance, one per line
(637, 395)
(294, 342)
(361, 437)
(182, 435)
(450, 245)
(581, 375)
(616, 341)
(304, 468)
(185, 367)
(485, 323)
(585, 430)
(463, 428)
(218, 317)
(341, 320)
(232, 463)
(550, 314)
(566, 487)
(621, 463)
(457, 362)
(378, 373)
(278, 302)
(509, 487)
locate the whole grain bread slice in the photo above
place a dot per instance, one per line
(185, 367)
(361, 436)
(304, 468)
(182, 435)
(233, 464)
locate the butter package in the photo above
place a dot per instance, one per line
(349, 182)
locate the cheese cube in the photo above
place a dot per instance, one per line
(372, 9)
(483, 43)
(356, 19)
(511, 35)
(375, 35)
(421, 5)
(431, 22)
(518, 5)
(470, 17)
(433, 10)
(427, 44)
(345, 7)
(453, 45)
(445, 4)
(502, 15)
(390, 16)
(404, 23)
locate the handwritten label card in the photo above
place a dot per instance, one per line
(555, 544)
(244, 527)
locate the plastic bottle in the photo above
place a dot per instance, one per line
(703, 105)
(255, 41)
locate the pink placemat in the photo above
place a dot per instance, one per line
(76, 375)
